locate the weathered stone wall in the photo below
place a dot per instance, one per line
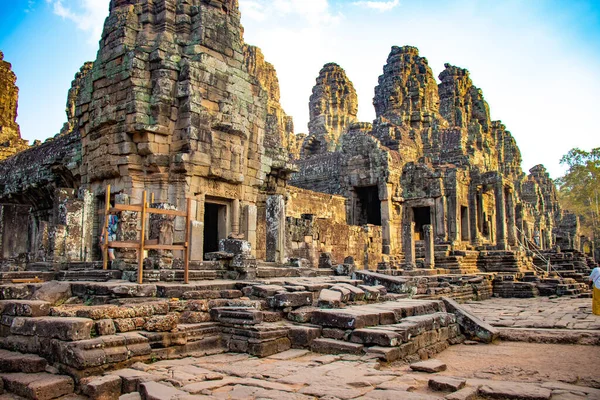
(304, 202)
(10, 135)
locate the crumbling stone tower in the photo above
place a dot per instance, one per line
(10, 135)
(177, 105)
(333, 107)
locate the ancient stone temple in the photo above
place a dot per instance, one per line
(177, 105)
(242, 237)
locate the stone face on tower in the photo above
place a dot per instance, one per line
(10, 135)
(333, 107)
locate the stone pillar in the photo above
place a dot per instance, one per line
(235, 218)
(500, 217)
(511, 218)
(475, 217)
(454, 226)
(386, 229)
(249, 226)
(440, 219)
(197, 230)
(408, 239)
(429, 247)
(275, 228)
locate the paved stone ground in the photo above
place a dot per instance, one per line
(538, 312)
(301, 375)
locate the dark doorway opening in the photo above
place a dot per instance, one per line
(215, 220)
(368, 206)
(422, 217)
(464, 223)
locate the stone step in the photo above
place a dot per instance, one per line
(333, 346)
(12, 361)
(38, 386)
(62, 328)
(92, 275)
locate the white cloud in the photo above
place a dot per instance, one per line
(313, 12)
(88, 15)
(378, 5)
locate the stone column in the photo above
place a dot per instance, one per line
(453, 219)
(235, 218)
(249, 226)
(500, 217)
(275, 228)
(475, 217)
(440, 219)
(511, 218)
(408, 239)
(386, 229)
(429, 247)
(197, 229)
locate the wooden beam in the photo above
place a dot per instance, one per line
(124, 245)
(164, 247)
(166, 212)
(126, 207)
(141, 244)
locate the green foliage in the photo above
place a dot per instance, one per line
(579, 189)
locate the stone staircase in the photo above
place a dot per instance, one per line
(456, 261)
(504, 261)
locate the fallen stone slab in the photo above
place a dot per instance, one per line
(554, 336)
(63, 328)
(158, 391)
(431, 366)
(38, 386)
(289, 354)
(106, 387)
(396, 395)
(472, 326)
(446, 384)
(514, 390)
(332, 346)
(467, 393)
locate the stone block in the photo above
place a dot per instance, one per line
(105, 327)
(376, 336)
(467, 393)
(106, 387)
(25, 308)
(430, 366)
(158, 391)
(471, 326)
(53, 292)
(514, 390)
(387, 354)
(329, 299)
(291, 299)
(446, 384)
(302, 314)
(302, 336)
(17, 362)
(264, 348)
(38, 386)
(62, 328)
(345, 318)
(162, 323)
(332, 346)
(132, 378)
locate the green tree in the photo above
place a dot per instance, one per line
(579, 189)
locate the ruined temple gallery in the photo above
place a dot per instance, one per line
(233, 233)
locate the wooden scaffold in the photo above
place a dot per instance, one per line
(142, 245)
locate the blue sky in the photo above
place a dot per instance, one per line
(537, 61)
